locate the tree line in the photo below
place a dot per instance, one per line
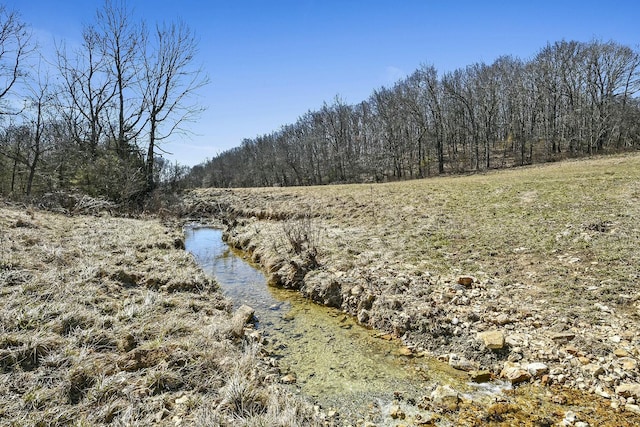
(571, 99)
(92, 116)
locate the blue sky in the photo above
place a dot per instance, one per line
(271, 61)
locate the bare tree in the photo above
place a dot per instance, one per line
(88, 88)
(171, 82)
(122, 45)
(15, 46)
(38, 117)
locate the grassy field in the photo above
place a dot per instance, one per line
(552, 252)
(561, 227)
(107, 321)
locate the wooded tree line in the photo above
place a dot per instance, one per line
(570, 99)
(91, 117)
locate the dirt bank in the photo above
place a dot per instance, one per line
(530, 274)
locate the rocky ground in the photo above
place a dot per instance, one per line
(529, 275)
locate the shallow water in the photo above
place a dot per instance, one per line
(338, 363)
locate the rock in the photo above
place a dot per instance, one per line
(405, 351)
(621, 352)
(466, 281)
(480, 376)
(628, 363)
(516, 340)
(559, 399)
(493, 339)
(584, 360)
(357, 290)
(572, 350)
(502, 319)
(241, 317)
(514, 373)
(536, 370)
(628, 390)
(632, 408)
(460, 363)
(396, 413)
(445, 397)
(563, 337)
(569, 418)
(288, 379)
(593, 369)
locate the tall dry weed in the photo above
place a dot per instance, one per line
(302, 237)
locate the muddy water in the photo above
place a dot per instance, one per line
(337, 363)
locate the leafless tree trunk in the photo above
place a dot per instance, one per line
(171, 81)
(15, 47)
(123, 44)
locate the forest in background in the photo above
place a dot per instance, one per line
(571, 99)
(91, 118)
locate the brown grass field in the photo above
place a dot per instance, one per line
(552, 251)
(107, 321)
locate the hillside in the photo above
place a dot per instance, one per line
(527, 273)
(545, 258)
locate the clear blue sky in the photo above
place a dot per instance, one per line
(271, 61)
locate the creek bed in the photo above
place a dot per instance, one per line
(337, 363)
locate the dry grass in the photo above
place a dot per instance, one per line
(560, 228)
(107, 321)
(553, 248)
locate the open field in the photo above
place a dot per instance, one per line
(550, 255)
(107, 321)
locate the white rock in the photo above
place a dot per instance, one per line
(570, 416)
(628, 390)
(537, 369)
(632, 408)
(446, 397)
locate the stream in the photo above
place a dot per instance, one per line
(338, 364)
